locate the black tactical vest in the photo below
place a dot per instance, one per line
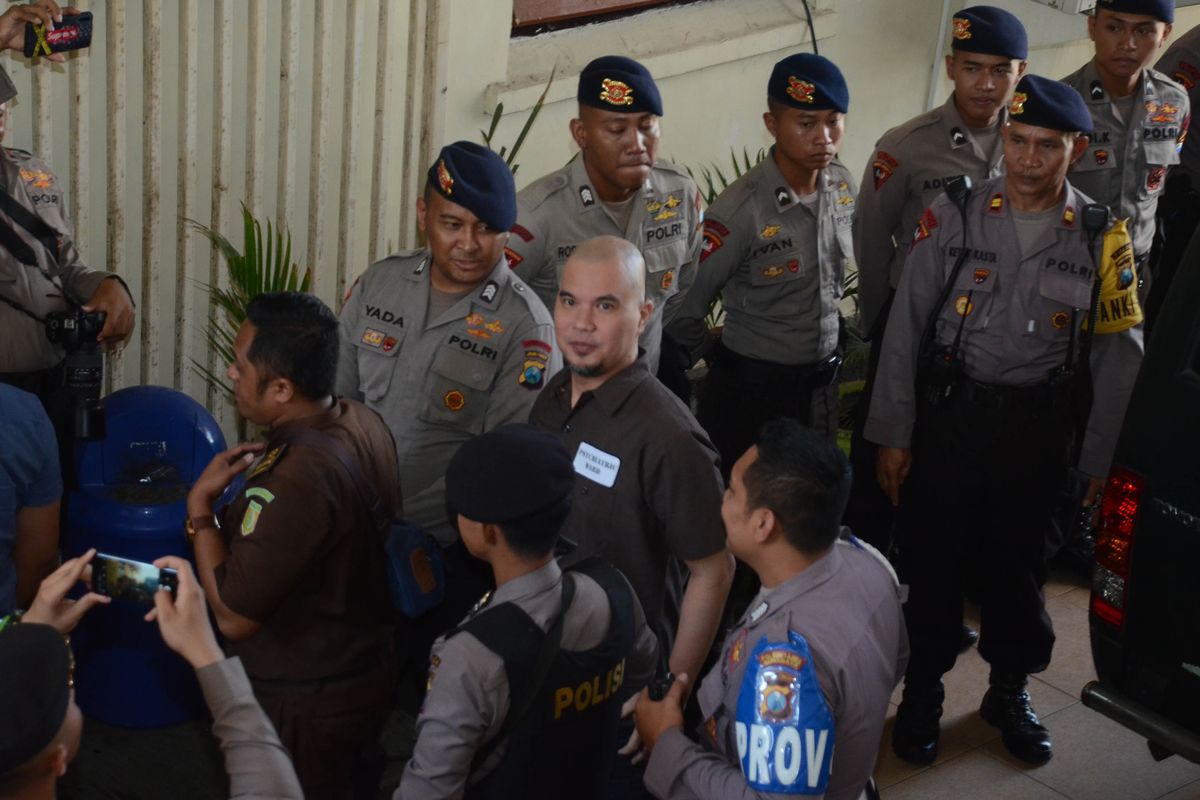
(564, 741)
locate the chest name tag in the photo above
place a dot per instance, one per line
(597, 465)
(784, 728)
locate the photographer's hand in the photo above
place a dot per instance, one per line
(111, 298)
(43, 12)
(51, 606)
(183, 619)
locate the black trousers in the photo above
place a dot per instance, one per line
(985, 471)
(740, 394)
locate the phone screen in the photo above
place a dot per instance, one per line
(131, 581)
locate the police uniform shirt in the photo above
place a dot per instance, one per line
(647, 488)
(305, 560)
(24, 346)
(468, 693)
(438, 382)
(560, 210)
(1181, 63)
(1126, 163)
(770, 729)
(910, 164)
(1016, 312)
(779, 264)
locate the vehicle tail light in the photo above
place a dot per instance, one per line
(1114, 544)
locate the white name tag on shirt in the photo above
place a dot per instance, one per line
(597, 465)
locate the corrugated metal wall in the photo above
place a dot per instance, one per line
(311, 112)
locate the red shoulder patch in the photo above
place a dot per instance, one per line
(925, 226)
(524, 233)
(883, 168)
(512, 257)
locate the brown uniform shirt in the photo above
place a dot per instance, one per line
(647, 487)
(305, 560)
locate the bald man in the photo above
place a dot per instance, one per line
(647, 488)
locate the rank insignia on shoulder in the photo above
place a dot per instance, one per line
(1068, 217)
(586, 197)
(782, 196)
(957, 137)
(1097, 90)
(266, 462)
(997, 203)
(490, 289)
(784, 728)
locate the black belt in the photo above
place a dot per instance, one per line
(757, 371)
(1005, 397)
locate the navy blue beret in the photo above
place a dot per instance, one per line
(990, 31)
(35, 692)
(810, 82)
(508, 473)
(617, 83)
(1046, 103)
(477, 179)
(1162, 10)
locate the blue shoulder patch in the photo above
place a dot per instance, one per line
(784, 728)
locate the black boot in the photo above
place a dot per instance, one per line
(915, 736)
(1006, 706)
(969, 637)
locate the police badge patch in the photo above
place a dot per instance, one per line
(784, 728)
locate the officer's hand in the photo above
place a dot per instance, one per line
(43, 12)
(891, 469)
(633, 747)
(655, 717)
(115, 302)
(219, 473)
(183, 619)
(51, 606)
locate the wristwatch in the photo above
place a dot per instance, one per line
(192, 526)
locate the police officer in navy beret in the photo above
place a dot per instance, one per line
(524, 695)
(1139, 118)
(617, 186)
(992, 343)
(903, 177)
(776, 244)
(445, 342)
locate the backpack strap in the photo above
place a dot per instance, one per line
(310, 437)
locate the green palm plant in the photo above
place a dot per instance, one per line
(504, 152)
(264, 265)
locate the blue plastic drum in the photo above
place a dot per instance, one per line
(131, 503)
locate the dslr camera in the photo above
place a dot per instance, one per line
(83, 368)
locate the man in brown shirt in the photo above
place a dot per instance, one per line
(294, 571)
(647, 489)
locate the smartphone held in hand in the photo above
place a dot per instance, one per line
(73, 33)
(131, 581)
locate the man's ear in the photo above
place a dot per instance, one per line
(579, 133)
(422, 209)
(762, 521)
(281, 390)
(492, 534)
(1078, 147)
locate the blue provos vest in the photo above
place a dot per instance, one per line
(784, 726)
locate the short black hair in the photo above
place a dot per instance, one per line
(295, 337)
(534, 535)
(804, 479)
